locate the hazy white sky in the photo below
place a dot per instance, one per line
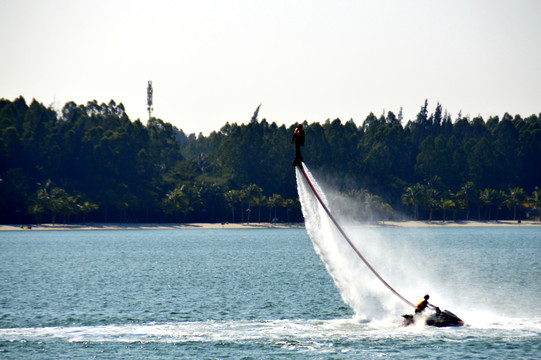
(213, 62)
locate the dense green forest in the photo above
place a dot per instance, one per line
(91, 163)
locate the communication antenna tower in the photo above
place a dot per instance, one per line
(149, 100)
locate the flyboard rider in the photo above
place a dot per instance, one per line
(298, 139)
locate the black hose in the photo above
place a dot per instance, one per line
(300, 166)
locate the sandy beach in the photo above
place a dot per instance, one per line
(149, 226)
(180, 226)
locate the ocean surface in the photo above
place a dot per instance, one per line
(266, 294)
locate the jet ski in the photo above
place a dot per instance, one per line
(438, 318)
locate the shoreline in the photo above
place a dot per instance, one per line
(181, 226)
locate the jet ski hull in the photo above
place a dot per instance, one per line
(439, 319)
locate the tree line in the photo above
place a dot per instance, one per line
(91, 163)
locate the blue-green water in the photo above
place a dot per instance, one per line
(264, 294)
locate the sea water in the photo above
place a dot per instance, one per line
(265, 294)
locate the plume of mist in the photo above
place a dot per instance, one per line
(415, 263)
(399, 265)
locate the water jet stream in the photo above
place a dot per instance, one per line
(311, 181)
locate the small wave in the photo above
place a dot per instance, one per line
(208, 331)
(357, 339)
(494, 322)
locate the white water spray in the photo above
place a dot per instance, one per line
(406, 265)
(358, 286)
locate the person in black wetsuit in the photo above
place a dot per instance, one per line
(298, 139)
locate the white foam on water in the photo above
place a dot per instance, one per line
(206, 331)
(296, 334)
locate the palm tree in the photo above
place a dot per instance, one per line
(176, 201)
(446, 204)
(87, 207)
(52, 199)
(467, 194)
(36, 208)
(488, 198)
(232, 197)
(500, 199)
(273, 202)
(288, 204)
(69, 206)
(434, 186)
(252, 196)
(414, 196)
(517, 197)
(431, 201)
(535, 200)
